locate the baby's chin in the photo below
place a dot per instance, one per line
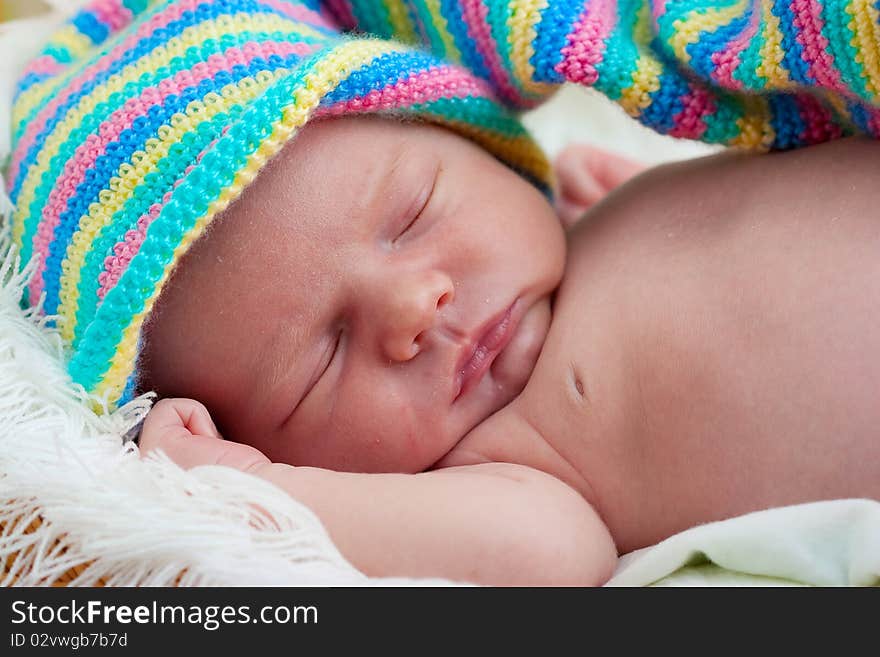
(513, 367)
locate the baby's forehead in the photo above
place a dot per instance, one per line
(335, 178)
(330, 183)
(337, 158)
(334, 183)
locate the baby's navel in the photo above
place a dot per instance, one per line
(576, 381)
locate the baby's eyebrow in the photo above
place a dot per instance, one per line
(384, 174)
(399, 159)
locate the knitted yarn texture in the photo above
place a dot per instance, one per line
(762, 74)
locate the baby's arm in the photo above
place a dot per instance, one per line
(493, 523)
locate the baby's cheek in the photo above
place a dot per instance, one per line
(399, 437)
(383, 420)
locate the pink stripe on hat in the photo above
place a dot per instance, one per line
(586, 43)
(96, 144)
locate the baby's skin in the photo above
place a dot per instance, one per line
(711, 350)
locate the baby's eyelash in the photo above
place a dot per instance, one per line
(323, 370)
(411, 222)
(333, 352)
(424, 204)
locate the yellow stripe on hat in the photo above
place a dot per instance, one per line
(865, 25)
(756, 132)
(526, 14)
(646, 76)
(771, 51)
(442, 27)
(401, 23)
(77, 44)
(839, 104)
(698, 21)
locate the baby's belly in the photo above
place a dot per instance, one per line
(708, 359)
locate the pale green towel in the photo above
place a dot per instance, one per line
(834, 543)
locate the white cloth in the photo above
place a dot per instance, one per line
(833, 543)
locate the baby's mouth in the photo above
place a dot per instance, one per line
(483, 347)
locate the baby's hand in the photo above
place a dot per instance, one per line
(586, 174)
(183, 429)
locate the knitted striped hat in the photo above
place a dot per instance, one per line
(144, 119)
(756, 74)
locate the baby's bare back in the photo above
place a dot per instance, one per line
(715, 347)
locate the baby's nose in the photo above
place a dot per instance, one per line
(412, 304)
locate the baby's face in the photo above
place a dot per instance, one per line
(376, 292)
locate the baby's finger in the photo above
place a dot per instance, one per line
(586, 173)
(172, 413)
(162, 415)
(577, 184)
(189, 451)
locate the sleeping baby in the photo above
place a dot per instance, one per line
(707, 353)
(344, 248)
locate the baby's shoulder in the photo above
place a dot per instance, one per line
(512, 437)
(502, 438)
